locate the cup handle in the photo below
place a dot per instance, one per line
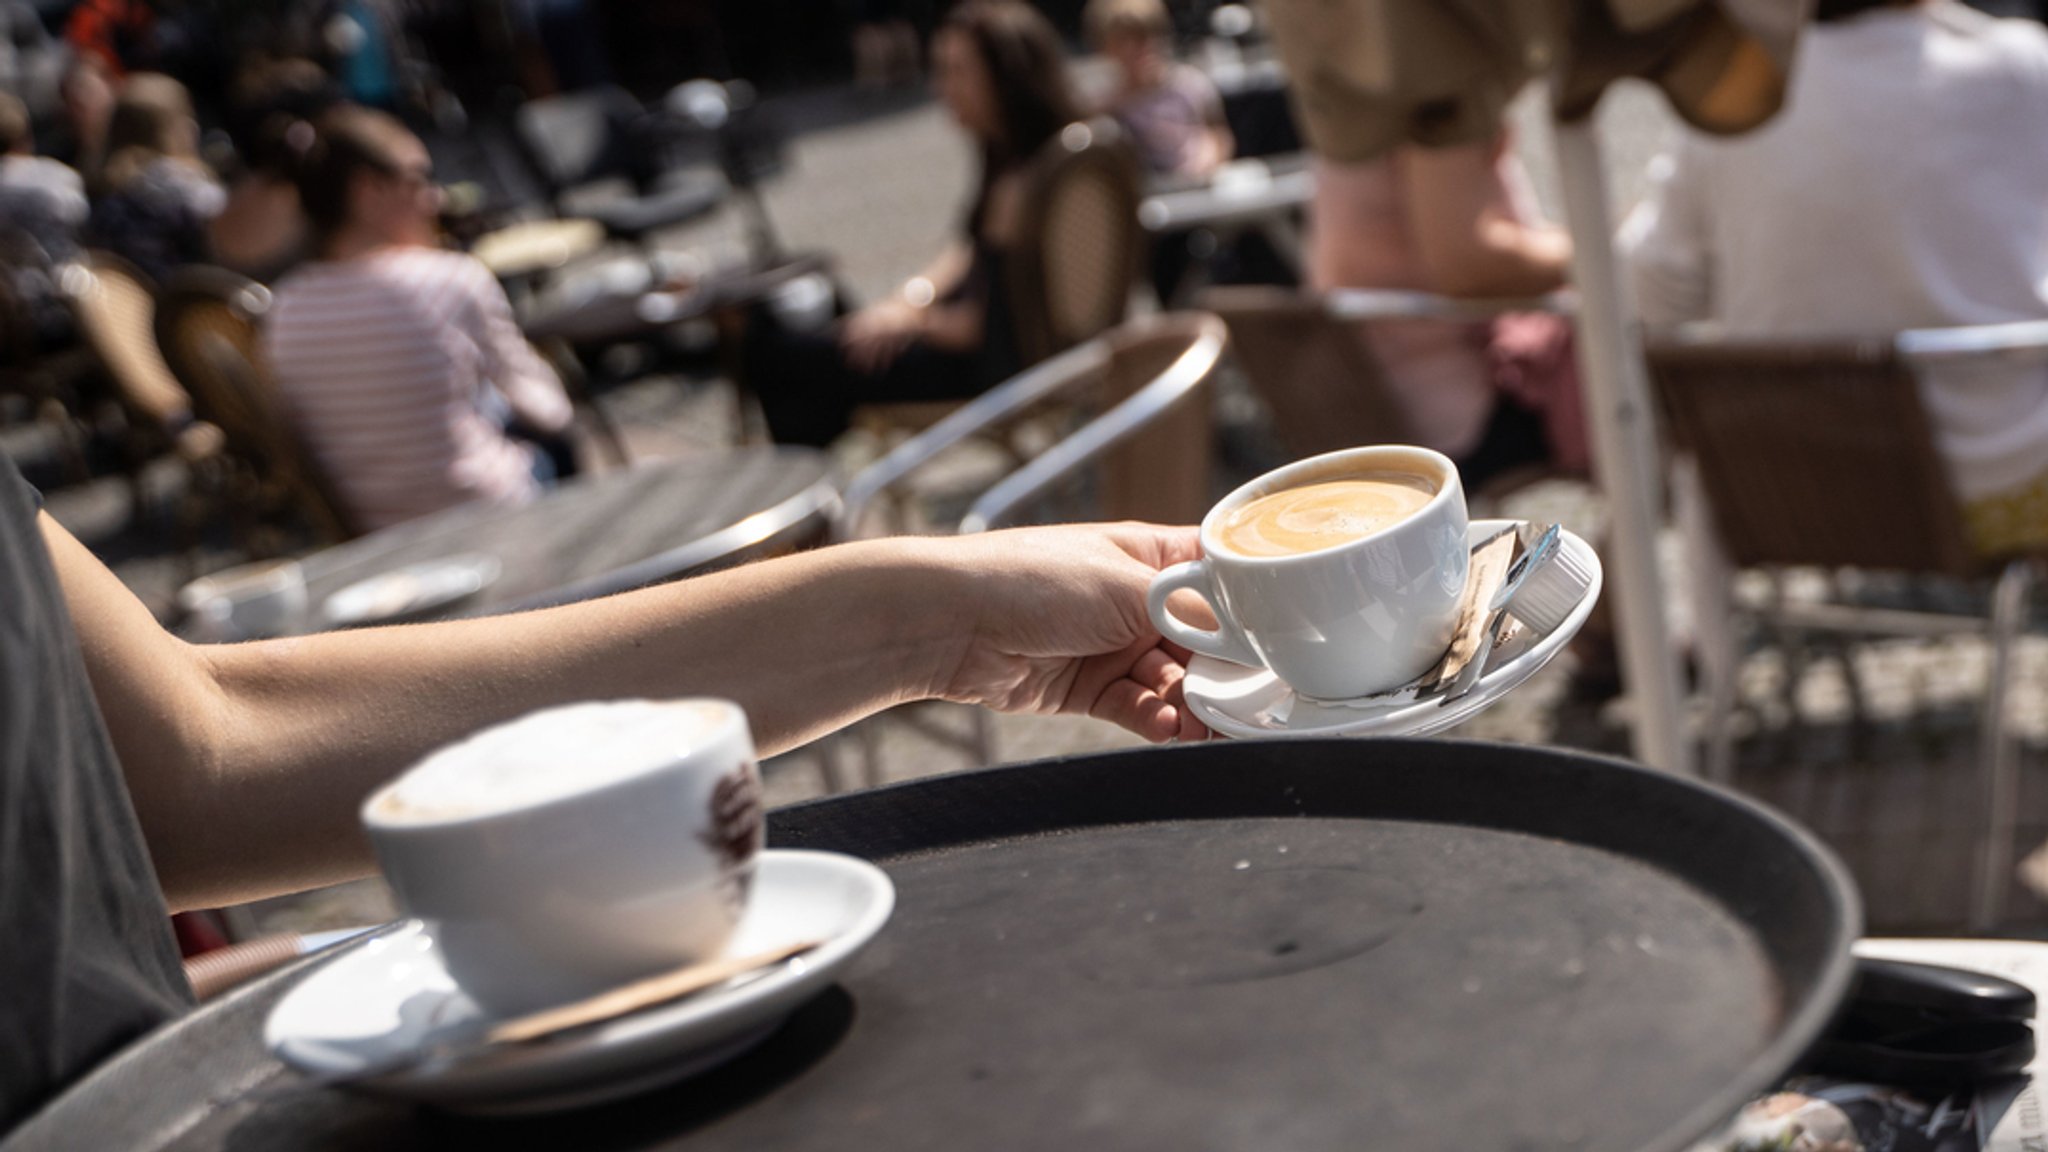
(1225, 643)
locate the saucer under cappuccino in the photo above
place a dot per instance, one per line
(1324, 514)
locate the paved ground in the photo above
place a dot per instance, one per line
(1894, 793)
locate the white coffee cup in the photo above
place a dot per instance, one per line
(1348, 620)
(578, 848)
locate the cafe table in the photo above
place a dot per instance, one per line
(1264, 195)
(611, 317)
(1414, 944)
(594, 535)
(534, 248)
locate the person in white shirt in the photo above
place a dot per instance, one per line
(399, 362)
(1904, 186)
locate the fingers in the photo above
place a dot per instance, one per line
(1158, 672)
(1149, 699)
(1158, 545)
(1132, 706)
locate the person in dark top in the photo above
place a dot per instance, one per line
(947, 333)
(154, 197)
(262, 231)
(85, 97)
(246, 764)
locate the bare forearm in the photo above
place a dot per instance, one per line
(953, 327)
(948, 269)
(308, 727)
(1512, 259)
(247, 764)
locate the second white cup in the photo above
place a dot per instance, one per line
(577, 849)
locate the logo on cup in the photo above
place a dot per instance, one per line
(734, 828)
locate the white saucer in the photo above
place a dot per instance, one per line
(411, 590)
(389, 997)
(1252, 702)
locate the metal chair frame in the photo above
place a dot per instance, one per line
(1198, 342)
(1364, 411)
(1901, 514)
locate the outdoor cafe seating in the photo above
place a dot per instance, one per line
(1307, 941)
(1821, 455)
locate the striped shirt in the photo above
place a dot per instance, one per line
(394, 367)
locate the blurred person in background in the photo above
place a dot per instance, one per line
(1905, 185)
(946, 334)
(120, 34)
(261, 232)
(85, 101)
(1170, 109)
(1455, 219)
(360, 38)
(885, 47)
(154, 197)
(31, 62)
(399, 361)
(38, 196)
(42, 207)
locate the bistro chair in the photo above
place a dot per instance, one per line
(1306, 359)
(1078, 246)
(207, 325)
(1821, 454)
(115, 307)
(1146, 434)
(1069, 275)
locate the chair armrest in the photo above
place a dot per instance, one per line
(992, 407)
(2025, 340)
(1392, 303)
(1185, 375)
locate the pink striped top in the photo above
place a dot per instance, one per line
(392, 365)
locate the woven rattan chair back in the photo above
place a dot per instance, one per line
(1078, 242)
(1819, 454)
(1313, 369)
(207, 326)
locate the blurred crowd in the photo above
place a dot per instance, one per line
(1904, 186)
(283, 163)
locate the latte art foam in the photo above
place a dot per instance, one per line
(1317, 516)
